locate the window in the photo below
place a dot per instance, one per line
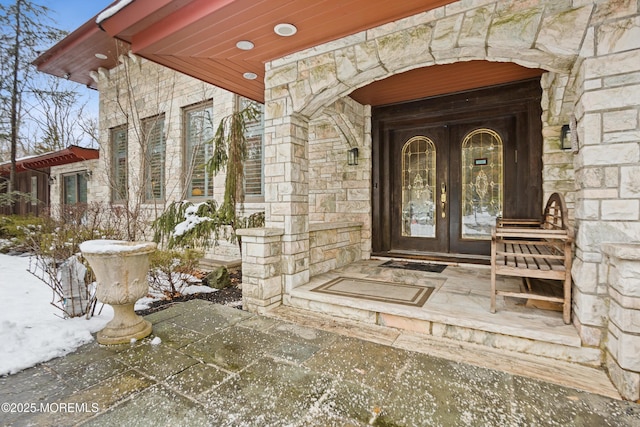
(154, 174)
(119, 164)
(254, 136)
(482, 186)
(198, 136)
(74, 189)
(418, 187)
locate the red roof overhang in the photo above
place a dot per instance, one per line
(71, 154)
(198, 38)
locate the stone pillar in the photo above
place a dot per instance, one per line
(287, 194)
(261, 268)
(623, 332)
(607, 165)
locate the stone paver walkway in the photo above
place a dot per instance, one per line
(219, 366)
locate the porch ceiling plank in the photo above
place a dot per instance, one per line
(202, 20)
(216, 69)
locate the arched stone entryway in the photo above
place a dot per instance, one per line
(590, 55)
(301, 86)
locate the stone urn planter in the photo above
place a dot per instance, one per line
(121, 274)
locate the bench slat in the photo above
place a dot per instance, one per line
(534, 249)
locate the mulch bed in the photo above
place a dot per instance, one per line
(231, 296)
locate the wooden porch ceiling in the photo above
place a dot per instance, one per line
(441, 79)
(198, 38)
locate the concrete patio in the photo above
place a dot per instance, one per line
(225, 367)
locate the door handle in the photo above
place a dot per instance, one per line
(443, 199)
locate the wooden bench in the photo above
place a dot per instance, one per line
(534, 249)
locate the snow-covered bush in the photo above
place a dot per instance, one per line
(187, 225)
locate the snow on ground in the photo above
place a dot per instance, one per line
(31, 330)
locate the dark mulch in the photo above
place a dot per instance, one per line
(228, 296)
(231, 296)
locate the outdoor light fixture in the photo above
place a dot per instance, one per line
(352, 156)
(285, 30)
(245, 45)
(250, 76)
(565, 137)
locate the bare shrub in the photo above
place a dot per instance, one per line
(54, 244)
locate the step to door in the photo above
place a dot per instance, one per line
(564, 348)
(578, 376)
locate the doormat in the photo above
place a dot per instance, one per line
(374, 290)
(419, 266)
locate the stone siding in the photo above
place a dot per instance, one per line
(333, 245)
(157, 90)
(338, 191)
(590, 52)
(607, 165)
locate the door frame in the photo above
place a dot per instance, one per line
(520, 99)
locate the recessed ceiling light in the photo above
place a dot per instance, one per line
(250, 76)
(285, 30)
(245, 45)
(101, 56)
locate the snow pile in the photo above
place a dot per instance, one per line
(31, 330)
(191, 220)
(105, 246)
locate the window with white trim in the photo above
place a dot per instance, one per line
(155, 152)
(119, 154)
(254, 135)
(74, 188)
(198, 145)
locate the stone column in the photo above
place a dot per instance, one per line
(287, 194)
(607, 165)
(623, 331)
(261, 268)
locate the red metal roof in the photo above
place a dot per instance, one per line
(71, 154)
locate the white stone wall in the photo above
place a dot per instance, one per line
(590, 50)
(608, 163)
(337, 191)
(157, 90)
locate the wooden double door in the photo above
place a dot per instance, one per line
(442, 176)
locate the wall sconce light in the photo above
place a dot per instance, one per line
(88, 174)
(52, 179)
(565, 137)
(352, 156)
